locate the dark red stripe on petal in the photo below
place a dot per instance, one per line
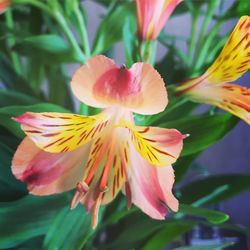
(66, 140)
(162, 152)
(51, 134)
(33, 131)
(52, 143)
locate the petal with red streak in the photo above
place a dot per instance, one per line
(152, 16)
(151, 187)
(230, 97)
(59, 132)
(234, 59)
(85, 78)
(46, 173)
(159, 146)
(4, 4)
(101, 83)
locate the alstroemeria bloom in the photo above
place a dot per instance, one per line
(104, 153)
(152, 16)
(214, 86)
(4, 4)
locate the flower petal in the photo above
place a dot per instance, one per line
(232, 63)
(152, 16)
(152, 98)
(83, 81)
(140, 89)
(46, 173)
(4, 4)
(159, 146)
(234, 59)
(101, 83)
(59, 132)
(231, 97)
(151, 187)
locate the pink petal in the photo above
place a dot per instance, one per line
(46, 173)
(152, 16)
(85, 78)
(152, 98)
(151, 187)
(4, 4)
(101, 83)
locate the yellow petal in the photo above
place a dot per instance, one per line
(234, 59)
(59, 132)
(159, 146)
(230, 97)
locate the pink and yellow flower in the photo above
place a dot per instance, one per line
(107, 152)
(4, 4)
(214, 86)
(152, 16)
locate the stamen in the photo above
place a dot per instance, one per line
(95, 211)
(81, 189)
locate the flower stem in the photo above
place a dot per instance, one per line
(192, 41)
(60, 19)
(212, 5)
(82, 30)
(11, 42)
(206, 45)
(35, 3)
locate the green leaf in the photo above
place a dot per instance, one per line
(212, 216)
(171, 231)
(204, 130)
(182, 166)
(11, 79)
(239, 8)
(131, 232)
(207, 247)
(27, 217)
(47, 49)
(214, 189)
(10, 188)
(10, 97)
(50, 43)
(69, 230)
(111, 28)
(7, 113)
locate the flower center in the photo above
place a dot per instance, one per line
(116, 84)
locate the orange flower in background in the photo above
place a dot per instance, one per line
(214, 86)
(152, 16)
(4, 4)
(107, 152)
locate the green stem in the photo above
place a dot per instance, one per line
(212, 5)
(195, 17)
(153, 120)
(60, 19)
(35, 3)
(84, 110)
(179, 53)
(214, 51)
(82, 30)
(207, 44)
(11, 42)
